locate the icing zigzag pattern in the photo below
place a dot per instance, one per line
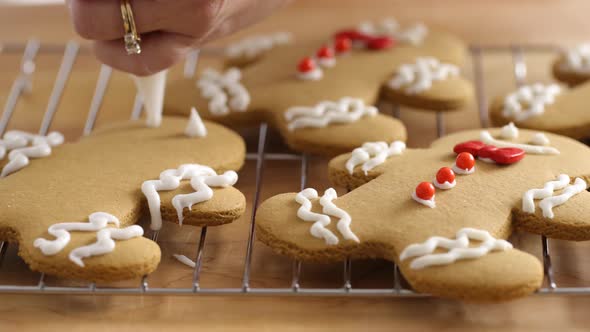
(346, 110)
(458, 248)
(224, 91)
(549, 201)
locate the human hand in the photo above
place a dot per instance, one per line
(168, 28)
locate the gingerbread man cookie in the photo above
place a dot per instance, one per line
(319, 94)
(573, 65)
(545, 107)
(72, 211)
(443, 213)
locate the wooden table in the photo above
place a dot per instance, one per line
(488, 22)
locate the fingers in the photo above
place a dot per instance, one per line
(160, 50)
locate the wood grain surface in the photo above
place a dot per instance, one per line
(481, 22)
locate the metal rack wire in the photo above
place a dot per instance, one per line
(22, 84)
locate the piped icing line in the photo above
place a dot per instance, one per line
(184, 260)
(105, 243)
(487, 138)
(547, 204)
(253, 46)
(459, 248)
(462, 171)
(529, 101)
(201, 179)
(325, 113)
(224, 91)
(528, 203)
(540, 139)
(446, 185)
(152, 90)
(577, 59)
(414, 34)
(373, 154)
(419, 76)
(195, 126)
(61, 232)
(427, 202)
(509, 131)
(17, 142)
(321, 220)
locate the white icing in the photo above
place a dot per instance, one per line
(202, 178)
(462, 171)
(414, 35)
(547, 204)
(253, 46)
(487, 138)
(578, 59)
(61, 231)
(529, 101)
(321, 220)
(104, 243)
(459, 248)
(487, 160)
(445, 186)
(539, 139)
(372, 154)
(185, 260)
(195, 126)
(224, 91)
(428, 202)
(509, 131)
(17, 142)
(327, 62)
(312, 75)
(346, 110)
(419, 76)
(152, 89)
(528, 204)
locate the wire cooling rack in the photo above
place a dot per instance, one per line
(399, 288)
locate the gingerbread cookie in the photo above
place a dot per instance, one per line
(573, 65)
(545, 107)
(72, 212)
(443, 213)
(250, 49)
(319, 94)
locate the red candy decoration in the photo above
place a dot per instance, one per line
(472, 147)
(353, 35)
(465, 160)
(306, 65)
(325, 52)
(380, 43)
(506, 156)
(343, 45)
(445, 174)
(425, 190)
(487, 152)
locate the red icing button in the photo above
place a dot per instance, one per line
(425, 190)
(445, 174)
(472, 147)
(507, 156)
(380, 43)
(306, 65)
(325, 52)
(343, 44)
(353, 35)
(465, 160)
(487, 152)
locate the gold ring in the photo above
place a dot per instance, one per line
(131, 37)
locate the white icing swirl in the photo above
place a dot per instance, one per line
(529, 101)
(195, 126)
(104, 243)
(509, 131)
(346, 110)
(17, 142)
(528, 203)
(372, 154)
(577, 59)
(201, 179)
(540, 139)
(320, 221)
(253, 46)
(487, 138)
(547, 204)
(224, 91)
(414, 35)
(459, 248)
(418, 77)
